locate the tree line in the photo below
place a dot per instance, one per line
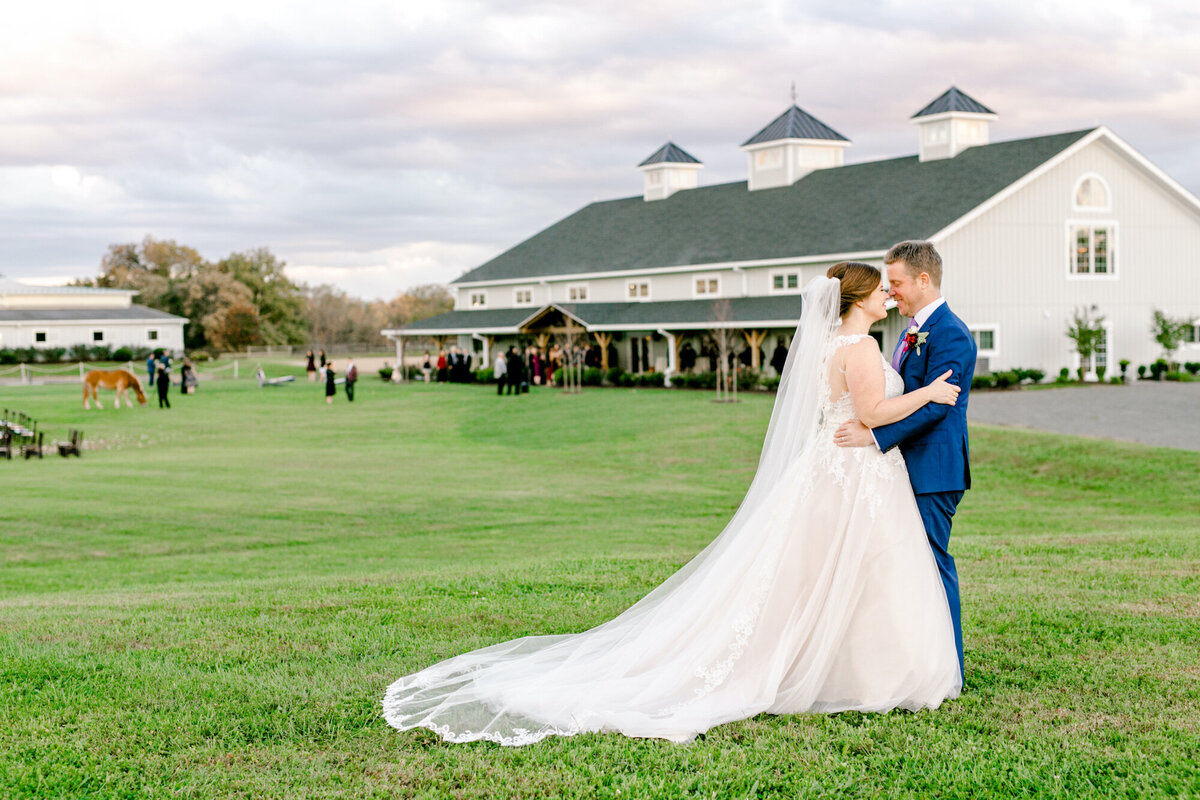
(247, 299)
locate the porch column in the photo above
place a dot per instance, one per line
(398, 372)
(603, 339)
(672, 356)
(755, 340)
(487, 350)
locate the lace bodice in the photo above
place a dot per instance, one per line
(836, 410)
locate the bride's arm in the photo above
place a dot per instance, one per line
(864, 379)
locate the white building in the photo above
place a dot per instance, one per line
(1029, 231)
(64, 316)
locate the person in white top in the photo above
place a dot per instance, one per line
(501, 370)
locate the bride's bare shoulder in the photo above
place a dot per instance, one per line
(861, 347)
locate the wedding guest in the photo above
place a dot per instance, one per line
(321, 356)
(310, 367)
(330, 382)
(500, 370)
(351, 377)
(260, 376)
(687, 357)
(187, 378)
(535, 366)
(150, 367)
(441, 366)
(426, 367)
(162, 382)
(515, 373)
(779, 357)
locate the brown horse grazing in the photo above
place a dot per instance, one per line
(120, 379)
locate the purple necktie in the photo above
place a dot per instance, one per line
(901, 347)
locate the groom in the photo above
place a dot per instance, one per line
(934, 439)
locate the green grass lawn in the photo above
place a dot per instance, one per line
(212, 603)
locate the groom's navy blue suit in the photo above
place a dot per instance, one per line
(934, 440)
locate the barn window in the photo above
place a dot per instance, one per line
(39, 336)
(1093, 250)
(97, 336)
(1091, 194)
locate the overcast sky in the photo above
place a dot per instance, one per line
(378, 146)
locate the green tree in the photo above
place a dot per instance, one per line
(1086, 332)
(280, 303)
(1169, 332)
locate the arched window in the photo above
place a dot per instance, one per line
(1091, 194)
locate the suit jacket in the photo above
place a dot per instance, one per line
(934, 438)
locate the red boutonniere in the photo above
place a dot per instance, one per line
(914, 339)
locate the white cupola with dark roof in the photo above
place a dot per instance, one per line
(793, 145)
(952, 123)
(671, 169)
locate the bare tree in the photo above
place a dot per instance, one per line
(569, 342)
(723, 337)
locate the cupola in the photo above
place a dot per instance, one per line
(793, 145)
(952, 123)
(671, 169)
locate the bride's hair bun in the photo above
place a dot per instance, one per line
(858, 281)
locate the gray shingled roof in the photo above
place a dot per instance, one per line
(781, 309)
(953, 99)
(854, 208)
(670, 153)
(10, 286)
(795, 123)
(127, 314)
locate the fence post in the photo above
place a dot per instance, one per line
(80, 370)
(24, 374)
(235, 369)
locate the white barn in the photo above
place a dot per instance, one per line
(64, 316)
(1029, 231)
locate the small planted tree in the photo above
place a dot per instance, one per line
(723, 339)
(1087, 332)
(1169, 332)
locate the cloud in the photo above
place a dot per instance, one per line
(380, 145)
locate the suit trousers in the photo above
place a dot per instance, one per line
(937, 510)
(499, 385)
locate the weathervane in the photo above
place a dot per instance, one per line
(793, 93)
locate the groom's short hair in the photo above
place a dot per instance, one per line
(919, 256)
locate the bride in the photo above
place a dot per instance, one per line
(820, 595)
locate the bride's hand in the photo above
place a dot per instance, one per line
(942, 392)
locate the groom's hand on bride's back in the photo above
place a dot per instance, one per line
(853, 434)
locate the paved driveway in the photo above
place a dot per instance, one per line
(1163, 414)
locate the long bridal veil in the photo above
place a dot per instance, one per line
(702, 648)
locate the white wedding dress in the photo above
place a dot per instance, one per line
(821, 595)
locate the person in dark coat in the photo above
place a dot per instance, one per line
(321, 356)
(687, 357)
(310, 367)
(779, 357)
(516, 371)
(162, 382)
(351, 377)
(330, 383)
(150, 367)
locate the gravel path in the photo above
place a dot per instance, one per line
(1163, 414)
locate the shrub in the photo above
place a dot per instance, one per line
(651, 379)
(1004, 380)
(627, 379)
(983, 382)
(613, 377)
(1064, 376)
(200, 355)
(771, 384)
(748, 379)
(122, 354)
(1124, 362)
(385, 373)
(55, 353)
(101, 352)
(8, 356)
(1118, 379)
(1192, 367)
(592, 376)
(484, 375)
(1159, 368)
(79, 352)
(1100, 371)
(1142, 372)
